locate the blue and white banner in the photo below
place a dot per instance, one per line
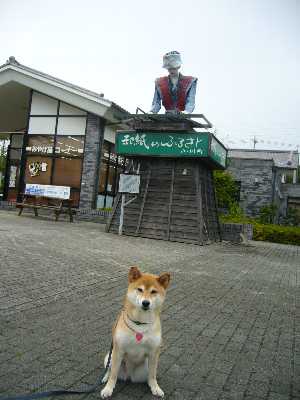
(57, 192)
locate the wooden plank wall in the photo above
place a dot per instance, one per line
(176, 203)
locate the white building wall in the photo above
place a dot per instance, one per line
(44, 113)
(71, 126)
(43, 105)
(42, 125)
(66, 109)
(110, 134)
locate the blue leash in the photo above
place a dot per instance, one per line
(59, 392)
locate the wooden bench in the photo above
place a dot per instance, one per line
(52, 199)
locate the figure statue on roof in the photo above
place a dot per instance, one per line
(176, 91)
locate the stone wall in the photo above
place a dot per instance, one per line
(7, 205)
(99, 216)
(256, 177)
(291, 190)
(91, 162)
(291, 196)
(237, 233)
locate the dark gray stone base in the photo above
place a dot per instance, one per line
(236, 232)
(91, 161)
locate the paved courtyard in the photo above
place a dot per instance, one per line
(231, 322)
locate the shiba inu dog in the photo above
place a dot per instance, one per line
(137, 333)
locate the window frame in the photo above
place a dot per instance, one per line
(109, 162)
(53, 156)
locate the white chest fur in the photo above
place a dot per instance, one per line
(135, 349)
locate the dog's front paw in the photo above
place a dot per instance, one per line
(106, 392)
(156, 390)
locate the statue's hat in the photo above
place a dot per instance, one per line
(172, 59)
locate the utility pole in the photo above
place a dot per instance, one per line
(254, 141)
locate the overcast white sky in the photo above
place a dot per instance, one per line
(245, 53)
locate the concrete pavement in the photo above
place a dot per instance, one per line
(231, 322)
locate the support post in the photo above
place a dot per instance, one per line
(123, 205)
(122, 214)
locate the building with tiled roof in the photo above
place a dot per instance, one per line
(262, 176)
(65, 131)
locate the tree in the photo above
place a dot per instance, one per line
(267, 214)
(2, 157)
(226, 189)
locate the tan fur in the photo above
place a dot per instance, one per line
(132, 358)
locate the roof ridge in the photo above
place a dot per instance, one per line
(12, 61)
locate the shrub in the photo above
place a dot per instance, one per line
(105, 209)
(277, 234)
(267, 214)
(237, 219)
(292, 218)
(235, 211)
(226, 189)
(268, 232)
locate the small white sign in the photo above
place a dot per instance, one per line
(12, 176)
(57, 192)
(129, 183)
(44, 167)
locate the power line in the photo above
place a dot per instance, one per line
(253, 141)
(255, 138)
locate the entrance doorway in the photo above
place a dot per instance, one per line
(10, 160)
(4, 141)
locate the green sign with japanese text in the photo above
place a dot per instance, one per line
(218, 152)
(169, 144)
(162, 144)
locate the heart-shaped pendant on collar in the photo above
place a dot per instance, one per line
(139, 336)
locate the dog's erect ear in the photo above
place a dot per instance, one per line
(164, 279)
(134, 274)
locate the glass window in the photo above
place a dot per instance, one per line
(42, 125)
(111, 166)
(67, 172)
(70, 146)
(105, 150)
(71, 126)
(15, 154)
(111, 181)
(109, 201)
(100, 201)
(103, 177)
(16, 141)
(38, 170)
(40, 144)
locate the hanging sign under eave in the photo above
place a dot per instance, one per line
(188, 144)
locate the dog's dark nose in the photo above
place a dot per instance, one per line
(146, 304)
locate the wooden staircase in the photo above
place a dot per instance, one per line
(176, 202)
